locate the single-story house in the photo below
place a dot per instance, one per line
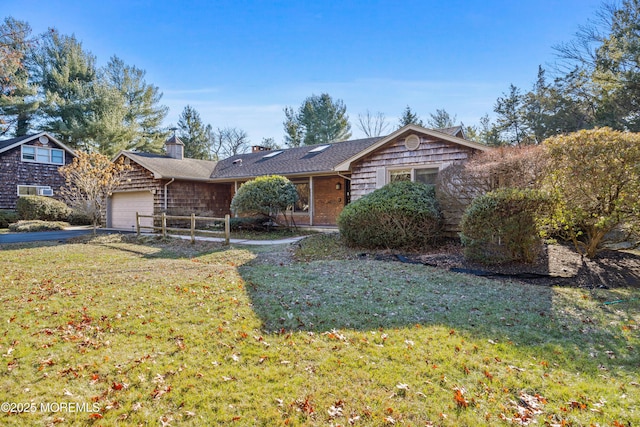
(327, 176)
(29, 166)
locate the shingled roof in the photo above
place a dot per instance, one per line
(292, 161)
(168, 167)
(297, 161)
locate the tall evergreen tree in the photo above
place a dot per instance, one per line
(410, 118)
(509, 120)
(605, 66)
(319, 120)
(194, 134)
(141, 101)
(17, 93)
(441, 119)
(67, 76)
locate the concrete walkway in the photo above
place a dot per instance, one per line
(286, 241)
(70, 232)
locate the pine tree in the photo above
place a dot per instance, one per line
(194, 134)
(410, 118)
(319, 120)
(17, 94)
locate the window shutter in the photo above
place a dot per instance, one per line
(381, 177)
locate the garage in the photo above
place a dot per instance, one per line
(124, 206)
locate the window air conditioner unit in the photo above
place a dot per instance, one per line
(45, 192)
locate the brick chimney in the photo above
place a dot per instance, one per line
(258, 148)
(174, 148)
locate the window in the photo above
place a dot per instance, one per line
(34, 190)
(423, 175)
(400, 175)
(42, 155)
(426, 176)
(28, 153)
(302, 205)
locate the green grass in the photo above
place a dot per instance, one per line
(157, 331)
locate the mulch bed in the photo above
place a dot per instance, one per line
(558, 265)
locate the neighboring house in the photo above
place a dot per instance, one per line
(29, 166)
(327, 176)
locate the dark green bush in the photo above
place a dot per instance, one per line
(77, 217)
(42, 208)
(265, 195)
(260, 223)
(7, 217)
(37, 225)
(501, 226)
(400, 215)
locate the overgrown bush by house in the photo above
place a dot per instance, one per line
(400, 215)
(595, 177)
(501, 226)
(77, 217)
(42, 208)
(268, 196)
(7, 217)
(503, 167)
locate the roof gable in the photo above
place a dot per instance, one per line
(9, 144)
(447, 134)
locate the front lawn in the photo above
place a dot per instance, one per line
(160, 332)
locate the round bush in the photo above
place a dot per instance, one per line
(265, 195)
(7, 217)
(77, 217)
(42, 208)
(400, 215)
(501, 226)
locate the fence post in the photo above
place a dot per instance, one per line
(164, 224)
(193, 228)
(137, 224)
(227, 229)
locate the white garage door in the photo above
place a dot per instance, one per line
(125, 205)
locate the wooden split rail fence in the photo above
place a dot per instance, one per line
(193, 218)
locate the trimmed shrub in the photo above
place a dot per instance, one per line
(37, 225)
(77, 217)
(7, 217)
(400, 215)
(501, 226)
(42, 208)
(265, 195)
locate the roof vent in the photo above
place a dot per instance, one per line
(412, 142)
(237, 162)
(44, 140)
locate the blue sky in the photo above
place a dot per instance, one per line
(239, 63)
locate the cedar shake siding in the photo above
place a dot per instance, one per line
(183, 197)
(203, 199)
(368, 173)
(431, 153)
(14, 172)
